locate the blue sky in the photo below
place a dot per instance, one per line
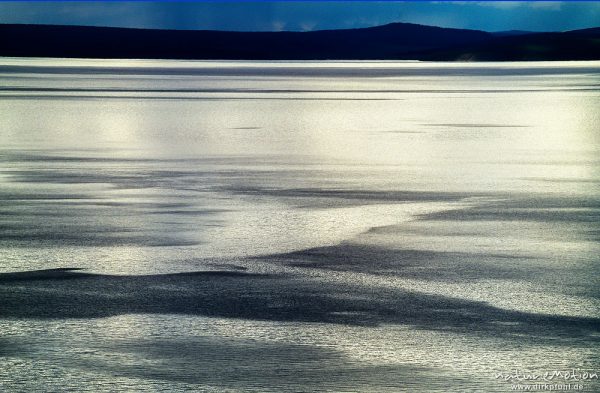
(298, 16)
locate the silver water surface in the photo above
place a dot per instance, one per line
(297, 226)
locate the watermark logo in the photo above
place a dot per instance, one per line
(574, 375)
(556, 380)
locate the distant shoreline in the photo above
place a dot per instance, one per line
(392, 42)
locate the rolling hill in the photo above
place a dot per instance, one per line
(396, 41)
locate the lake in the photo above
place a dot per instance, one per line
(298, 226)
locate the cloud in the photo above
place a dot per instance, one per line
(503, 5)
(510, 5)
(278, 25)
(546, 5)
(308, 26)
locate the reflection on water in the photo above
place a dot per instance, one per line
(344, 226)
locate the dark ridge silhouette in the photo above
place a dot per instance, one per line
(507, 33)
(392, 41)
(395, 41)
(571, 45)
(388, 41)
